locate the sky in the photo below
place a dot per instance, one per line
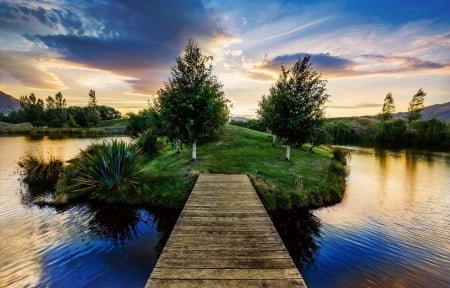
(125, 49)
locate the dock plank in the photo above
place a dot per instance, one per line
(224, 238)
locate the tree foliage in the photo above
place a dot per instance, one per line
(92, 99)
(416, 105)
(55, 113)
(192, 104)
(295, 105)
(33, 109)
(388, 107)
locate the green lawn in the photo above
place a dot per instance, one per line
(308, 180)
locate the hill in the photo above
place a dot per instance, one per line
(440, 111)
(8, 103)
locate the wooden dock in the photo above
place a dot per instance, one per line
(224, 238)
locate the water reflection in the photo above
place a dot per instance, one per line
(300, 231)
(106, 246)
(83, 245)
(118, 223)
(392, 227)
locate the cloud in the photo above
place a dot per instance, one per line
(18, 66)
(325, 63)
(125, 37)
(360, 65)
(299, 28)
(356, 106)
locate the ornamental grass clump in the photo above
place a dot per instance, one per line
(105, 172)
(39, 171)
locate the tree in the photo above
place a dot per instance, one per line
(416, 105)
(295, 105)
(192, 104)
(33, 109)
(56, 110)
(107, 113)
(388, 107)
(92, 100)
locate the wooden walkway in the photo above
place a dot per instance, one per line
(224, 238)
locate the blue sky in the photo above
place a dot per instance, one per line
(124, 49)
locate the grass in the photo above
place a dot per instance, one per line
(39, 171)
(114, 172)
(308, 180)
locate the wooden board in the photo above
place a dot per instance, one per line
(224, 238)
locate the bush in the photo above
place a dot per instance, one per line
(107, 172)
(148, 143)
(38, 171)
(341, 155)
(392, 132)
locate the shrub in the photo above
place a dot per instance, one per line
(341, 155)
(148, 143)
(38, 171)
(107, 172)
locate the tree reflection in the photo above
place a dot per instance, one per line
(35, 194)
(300, 231)
(165, 220)
(119, 223)
(116, 223)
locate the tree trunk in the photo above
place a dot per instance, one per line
(194, 150)
(274, 139)
(288, 152)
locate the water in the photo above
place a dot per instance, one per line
(78, 246)
(391, 229)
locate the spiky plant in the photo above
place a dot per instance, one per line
(103, 171)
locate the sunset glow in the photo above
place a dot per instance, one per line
(124, 49)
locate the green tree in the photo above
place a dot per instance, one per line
(388, 107)
(92, 100)
(56, 110)
(295, 106)
(33, 109)
(107, 113)
(416, 105)
(192, 104)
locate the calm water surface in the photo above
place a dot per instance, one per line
(391, 230)
(79, 246)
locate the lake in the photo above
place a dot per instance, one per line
(391, 229)
(78, 246)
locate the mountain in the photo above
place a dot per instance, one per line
(440, 111)
(8, 103)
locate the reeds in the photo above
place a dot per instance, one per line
(39, 171)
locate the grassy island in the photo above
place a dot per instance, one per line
(117, 172)
(310, 179)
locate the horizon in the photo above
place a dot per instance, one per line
(124, 49)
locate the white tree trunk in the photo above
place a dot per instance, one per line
(274, 139)
(288, 152)
(194, 150)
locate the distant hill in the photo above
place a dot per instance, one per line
(238, 118)
(440, 111)
(8, 103)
